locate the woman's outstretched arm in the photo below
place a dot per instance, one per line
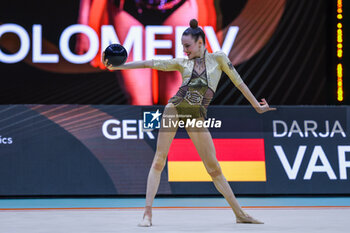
(231, 72)
(261, 107)
(164, 65)
(131, 65)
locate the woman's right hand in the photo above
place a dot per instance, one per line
(105, 62)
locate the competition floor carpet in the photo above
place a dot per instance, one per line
(298, 214)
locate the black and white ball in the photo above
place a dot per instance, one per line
(116, 55)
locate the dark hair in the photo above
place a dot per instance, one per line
(194, 31)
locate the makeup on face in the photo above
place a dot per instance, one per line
(190, 47)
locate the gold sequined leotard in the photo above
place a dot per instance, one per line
(197, 90)
(192, 99)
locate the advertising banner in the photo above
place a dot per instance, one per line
(282, 49)
(108, 150)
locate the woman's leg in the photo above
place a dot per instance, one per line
(165, 137)
(204, 144)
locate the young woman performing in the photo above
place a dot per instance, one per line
(201, 73)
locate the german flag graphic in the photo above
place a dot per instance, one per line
(240, 160)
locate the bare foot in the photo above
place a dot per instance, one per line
(246, 218)
(146, 222)
(147, 217)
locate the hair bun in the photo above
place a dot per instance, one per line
(193, 23)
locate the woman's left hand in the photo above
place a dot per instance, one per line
(264, 107)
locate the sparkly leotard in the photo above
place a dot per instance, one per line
(198, 87)
(193, 98)
(149, 12)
